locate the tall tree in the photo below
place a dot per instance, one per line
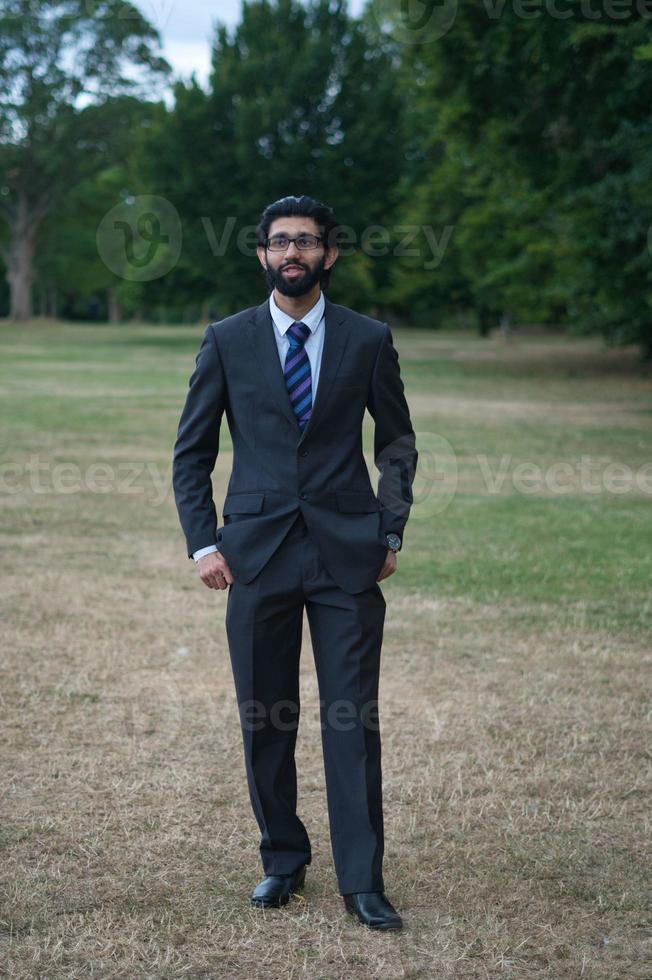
(301, 101)
(538, 129)
(83, 248)
(63, 68)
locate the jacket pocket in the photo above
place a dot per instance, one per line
(243, 503)
(357, 501)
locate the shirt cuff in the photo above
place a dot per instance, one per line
(204, 551)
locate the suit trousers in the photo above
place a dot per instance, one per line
(264, 620)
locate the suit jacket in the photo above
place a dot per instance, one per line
(277, 469)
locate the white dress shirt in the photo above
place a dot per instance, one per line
(313, 347)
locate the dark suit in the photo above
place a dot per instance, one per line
(302, 526)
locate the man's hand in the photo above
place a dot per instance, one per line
(214, 571)
(388, 568)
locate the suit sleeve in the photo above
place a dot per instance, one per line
(395, 453)
(197, 446)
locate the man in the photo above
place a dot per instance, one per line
(302, 527)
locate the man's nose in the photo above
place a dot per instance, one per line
(292, 250)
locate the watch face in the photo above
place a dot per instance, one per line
(393, 540)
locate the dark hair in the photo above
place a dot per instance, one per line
(307, 207)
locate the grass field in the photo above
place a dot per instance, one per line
(515, 688)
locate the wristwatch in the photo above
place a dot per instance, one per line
(393, 542)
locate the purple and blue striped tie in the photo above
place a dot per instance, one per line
(297, 373)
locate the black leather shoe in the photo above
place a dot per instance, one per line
(275, 890)
(373, 909)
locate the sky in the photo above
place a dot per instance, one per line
(187, 27)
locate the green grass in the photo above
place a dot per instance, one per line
(83, 394)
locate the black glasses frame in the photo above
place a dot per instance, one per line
(289, 240)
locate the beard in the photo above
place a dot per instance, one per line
(295, 287)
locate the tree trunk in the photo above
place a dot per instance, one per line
(205, 311)
(484, 322)
(506, 324)
(115, 311)
(20, 258)
(39, 305)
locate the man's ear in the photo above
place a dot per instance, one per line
(260, 252)
(332, 256)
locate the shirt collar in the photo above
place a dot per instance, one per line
(283, 320)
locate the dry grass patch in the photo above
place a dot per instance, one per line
(625, 414)
(515, 778)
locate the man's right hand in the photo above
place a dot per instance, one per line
(214, 571)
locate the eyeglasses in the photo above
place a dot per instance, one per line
(279, 243)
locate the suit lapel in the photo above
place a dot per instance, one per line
(260, 330)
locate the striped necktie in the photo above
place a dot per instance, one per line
(297, 373)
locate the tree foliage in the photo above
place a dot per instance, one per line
(537, 141)
(504, 150)
(63, 80)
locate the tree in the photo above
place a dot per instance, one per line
(300, 101)
(62, 72)
(537, 134)
(78, 260)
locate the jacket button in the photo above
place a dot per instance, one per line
(219, 537)
(303, 496)
(303, 452)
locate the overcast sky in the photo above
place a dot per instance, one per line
(187, 27)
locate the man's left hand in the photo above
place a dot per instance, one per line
(389, 567)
